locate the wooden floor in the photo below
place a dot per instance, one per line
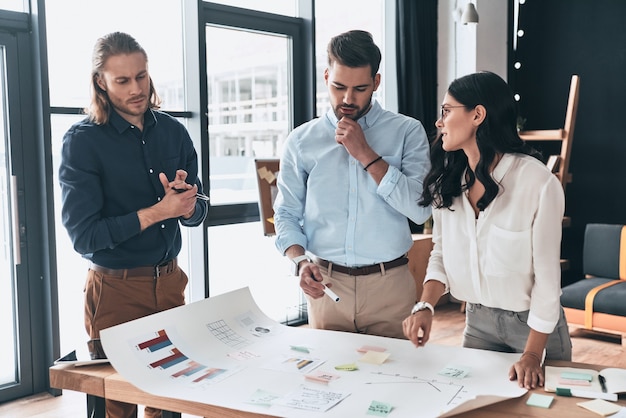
(448, 326)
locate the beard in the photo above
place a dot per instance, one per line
(360, 111)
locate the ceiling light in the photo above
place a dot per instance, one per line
(470, 15)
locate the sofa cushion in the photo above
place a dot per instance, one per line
(611, 300)
(602, 250)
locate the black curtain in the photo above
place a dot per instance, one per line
(416, 54)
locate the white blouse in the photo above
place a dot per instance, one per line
(508, 258)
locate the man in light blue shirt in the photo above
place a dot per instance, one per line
(348, 181)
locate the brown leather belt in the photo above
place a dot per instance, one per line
(365, 270)
(154, 271)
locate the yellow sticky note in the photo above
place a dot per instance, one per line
(366, 348)
(347, 367)
(374, 357)
(600, 407)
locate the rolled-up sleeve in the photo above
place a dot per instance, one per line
(545, 303)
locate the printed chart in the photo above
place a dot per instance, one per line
(161, 356)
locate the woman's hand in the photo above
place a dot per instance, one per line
(528, 371)
(416, 327)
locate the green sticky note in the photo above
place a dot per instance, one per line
(577, 376)
(542, 401)
(300, 348)
(262, 397)
(379, 409)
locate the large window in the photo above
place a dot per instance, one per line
(9, 371)
(20, 231)
(249, 90)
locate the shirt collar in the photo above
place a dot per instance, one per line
(364, 121)
(120, 124)
(502, 167)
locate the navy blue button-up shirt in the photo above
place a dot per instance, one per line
(109, 172)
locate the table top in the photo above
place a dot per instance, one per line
(101, 380)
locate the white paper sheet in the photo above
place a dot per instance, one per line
(224, 351)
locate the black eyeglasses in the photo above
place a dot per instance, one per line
(445, 109)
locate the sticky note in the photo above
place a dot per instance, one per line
(366, 348)
(262, 397)
(620, 414)
(374, 357)
(321, 376)
(379, 409)
(347, 367)
(300, 348)
(576, 376)
(574, 382)
(600, 407)
(458, 372)
(542, 401)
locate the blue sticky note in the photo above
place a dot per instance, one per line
(577, 376)
(542, 401)
(379, 409)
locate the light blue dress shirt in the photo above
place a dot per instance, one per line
(330, 206)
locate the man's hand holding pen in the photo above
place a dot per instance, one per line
(311, 282)
(184, 204)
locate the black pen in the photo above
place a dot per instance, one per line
(198, 195)
(602, 382)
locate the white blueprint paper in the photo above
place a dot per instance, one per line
(224, 351)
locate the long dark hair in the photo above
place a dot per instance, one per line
(496, 135)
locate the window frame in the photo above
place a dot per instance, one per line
(302, 59)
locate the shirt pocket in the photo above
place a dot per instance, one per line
(392, 160)
(508, 252)
(170, 165)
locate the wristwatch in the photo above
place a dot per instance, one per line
(296, 263)
(420, 306)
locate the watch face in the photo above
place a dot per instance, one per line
(296, 262)
(419, 306)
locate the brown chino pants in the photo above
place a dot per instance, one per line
(112, 299)
(374, 304)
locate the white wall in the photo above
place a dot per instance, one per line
(464, 49)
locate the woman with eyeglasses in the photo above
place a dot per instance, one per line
(497, 212)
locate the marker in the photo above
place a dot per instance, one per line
(586, 394)
(331, 294)
(602, 382)
(198, 195)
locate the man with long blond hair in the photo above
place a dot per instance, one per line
(129, 179)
